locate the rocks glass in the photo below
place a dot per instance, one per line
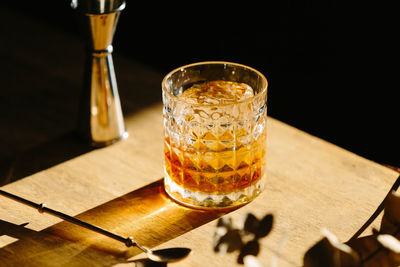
(215, 151)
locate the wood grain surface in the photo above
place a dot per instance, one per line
(311, 184)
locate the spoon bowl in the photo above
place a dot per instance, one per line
(168, 254)
(160, 255)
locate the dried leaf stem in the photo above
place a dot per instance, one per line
(377, 211)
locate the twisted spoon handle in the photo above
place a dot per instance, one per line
(42, 208)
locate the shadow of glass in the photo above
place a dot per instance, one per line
(147, 214)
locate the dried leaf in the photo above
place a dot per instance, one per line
(330, 252)
(389, 242)
(379, 249)
(372, 253)
(364, 246)
(265, 226)
(251, 248)
(391, 218)
(393, 245)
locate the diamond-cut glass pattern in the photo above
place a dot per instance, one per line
(215, 155)
(215, 150)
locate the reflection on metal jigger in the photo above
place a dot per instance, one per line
(100, 117)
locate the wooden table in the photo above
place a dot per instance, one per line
(311, 185)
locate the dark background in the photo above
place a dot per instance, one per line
(329, 72)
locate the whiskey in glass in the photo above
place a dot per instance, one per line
(214, 134)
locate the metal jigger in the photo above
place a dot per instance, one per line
(100, 119)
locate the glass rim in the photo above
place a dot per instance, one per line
(250, 99)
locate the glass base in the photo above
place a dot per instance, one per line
(212, 201)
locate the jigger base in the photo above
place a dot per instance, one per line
(109, 142)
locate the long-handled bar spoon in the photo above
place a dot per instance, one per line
(162, 255)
